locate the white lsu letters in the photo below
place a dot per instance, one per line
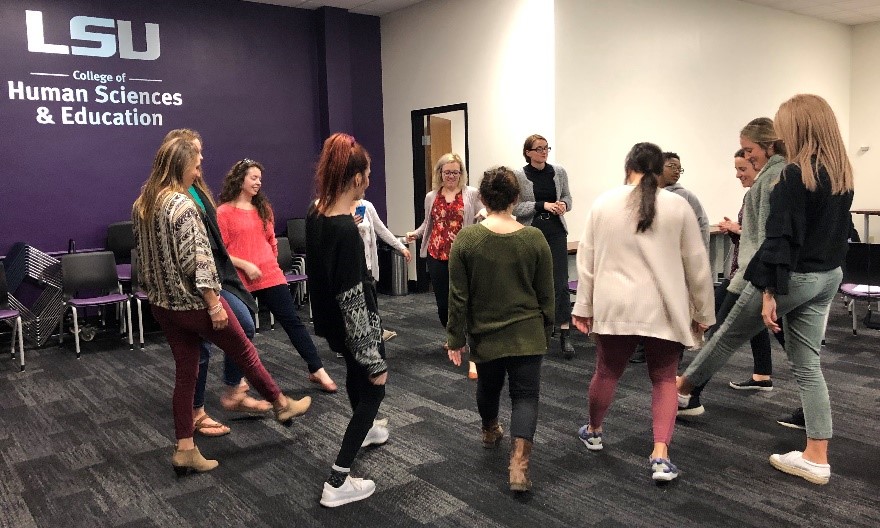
(107, 41)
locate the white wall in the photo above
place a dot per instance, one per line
(442, 52)
(864, 122)
(687, 75)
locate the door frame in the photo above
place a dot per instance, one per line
(417, 118)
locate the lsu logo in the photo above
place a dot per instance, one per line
(108, 43)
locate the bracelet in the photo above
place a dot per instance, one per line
(214, 310)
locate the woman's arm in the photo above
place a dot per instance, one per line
(543, 284)
(420, 231)
(582, 311)
(564, 193)
(525, 208)
(192, 248)
(380, 228)
(459, 294)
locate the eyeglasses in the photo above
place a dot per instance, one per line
(675, 168)
(540, 150)
(451, 173)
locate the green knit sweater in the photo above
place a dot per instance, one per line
(500, 293)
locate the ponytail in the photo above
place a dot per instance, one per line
(646, 159)
(342, 158)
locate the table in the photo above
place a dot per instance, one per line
(867, 214)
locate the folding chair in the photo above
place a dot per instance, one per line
(861, 278)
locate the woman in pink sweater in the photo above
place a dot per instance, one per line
(247, 226)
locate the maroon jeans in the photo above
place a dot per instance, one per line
(185, 331)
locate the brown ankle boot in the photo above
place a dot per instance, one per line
(520, 451)
(293, 408)
(492, 434)
(191, 459)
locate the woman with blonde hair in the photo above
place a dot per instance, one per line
(177, 272)
(763, 148)
(796, 272)
(451, 205)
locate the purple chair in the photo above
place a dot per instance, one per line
(573, 287)
(12, 316)
(92, 274)
(861, 277)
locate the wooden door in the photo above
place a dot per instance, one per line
(438, 141)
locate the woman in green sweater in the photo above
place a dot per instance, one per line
(501, 296)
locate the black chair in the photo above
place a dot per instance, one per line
(91, 274)
(12, 316)
(120, 240)
(861, 277)
(296, 234)
(138, 295)
(294, 275)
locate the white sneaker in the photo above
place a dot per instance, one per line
(353, 489)
(793, 463)
(378, 434)
(683, 399)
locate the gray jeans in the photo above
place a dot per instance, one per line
(803, 312)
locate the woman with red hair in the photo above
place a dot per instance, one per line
(344, 306)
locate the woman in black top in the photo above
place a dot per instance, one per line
(544, 200)
(344, 306)
(798, 270)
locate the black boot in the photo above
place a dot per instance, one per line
(565, 343)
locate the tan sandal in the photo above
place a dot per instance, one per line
(210, 429)
(242, 402)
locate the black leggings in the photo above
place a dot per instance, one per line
(524, 373)
(439, 271)
(365, 399)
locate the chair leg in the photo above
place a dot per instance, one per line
(75, 329)
(12, 341)
(257, 315)
(20, 341)
(853, 310)
(127, 308)
(271, 320)
(140, 321)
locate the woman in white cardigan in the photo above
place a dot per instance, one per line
(643, 277)
(369, 226)
(451, 205)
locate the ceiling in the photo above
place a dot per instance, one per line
(850, 12)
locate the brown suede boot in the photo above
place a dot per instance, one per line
(520, 451)
(492, 434)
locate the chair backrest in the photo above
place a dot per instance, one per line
(285, 258)
(862, 264)
(4, 289)
(120, 240)
(296, 233)
(88, 272)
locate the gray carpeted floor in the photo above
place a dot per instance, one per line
(88, 443)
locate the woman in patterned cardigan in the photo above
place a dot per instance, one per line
(177, 272)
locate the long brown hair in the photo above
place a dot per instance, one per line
(647, 159)
(232, 188)
(172, 160)
(809, 128)
(191, 135)
(342, 158)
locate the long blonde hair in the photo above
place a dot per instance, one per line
(809, 128)
(437, 179)
(191, 135)
(172, 160)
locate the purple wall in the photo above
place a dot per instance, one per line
(253, 79)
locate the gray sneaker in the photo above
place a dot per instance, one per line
(591, 439)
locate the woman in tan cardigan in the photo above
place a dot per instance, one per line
(643, 277)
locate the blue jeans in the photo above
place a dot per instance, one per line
(803, 313)
(279, 300)
(231, 373)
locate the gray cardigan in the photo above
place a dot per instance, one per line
(756, 209)
(472, 205)
(524, 211)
